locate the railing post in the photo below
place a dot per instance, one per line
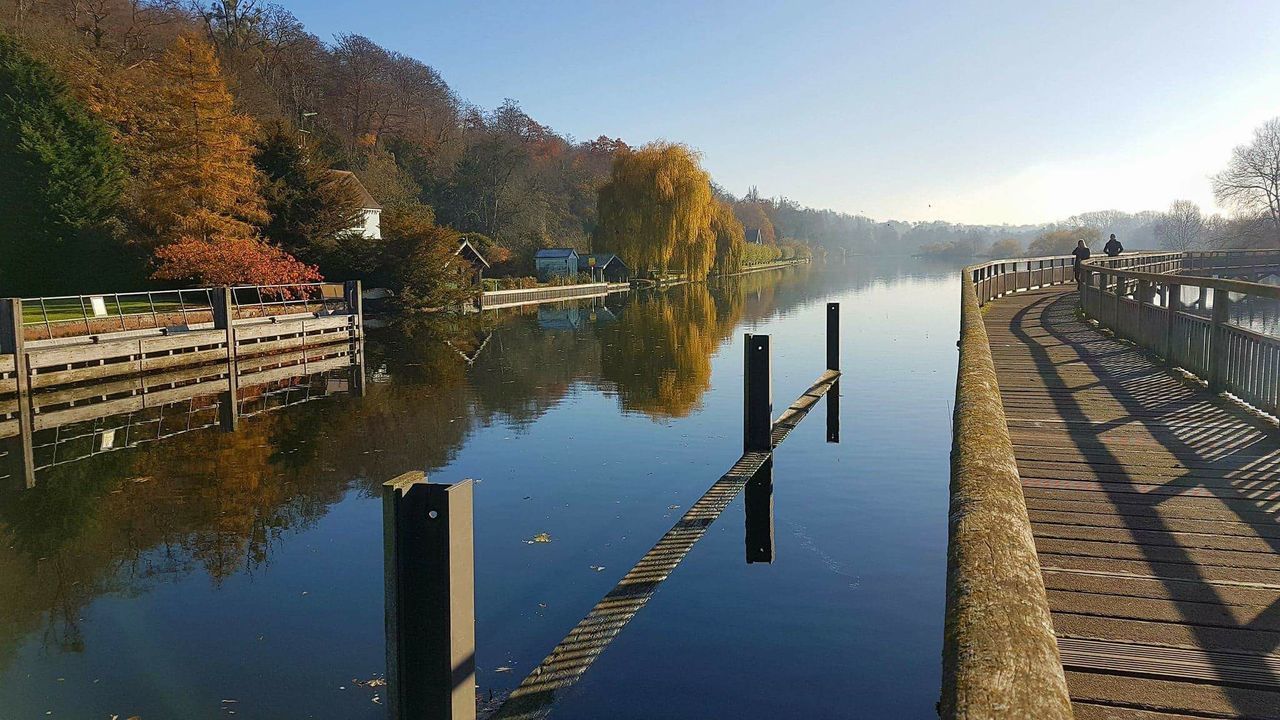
(429, 574)
(224, 319)
(12, 342)
(1144, 299)
(1172, 304)
(1115, 307)
(757, 395)
(1218, 341)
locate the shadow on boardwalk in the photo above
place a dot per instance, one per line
(1155, 510)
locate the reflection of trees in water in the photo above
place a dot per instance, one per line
(219, 503)
(658, 357)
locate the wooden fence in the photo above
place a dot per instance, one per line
(252, 337)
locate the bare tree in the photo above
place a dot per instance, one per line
(1182, 228)
(1251, 181)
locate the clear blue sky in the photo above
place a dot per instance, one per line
(986, 112)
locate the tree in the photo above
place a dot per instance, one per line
(753, 212)
(60, 179)
(309, 206)
(656, 210)
(1062, 242)
(230, 261)
(1182, 228)
(199, 180)
(728, 237)
(421, 262)
(1251, 181)
(1005, 248)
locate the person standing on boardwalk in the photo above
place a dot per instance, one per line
(1113, 247)
(1081, 253)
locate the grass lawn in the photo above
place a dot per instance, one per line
(70, 309)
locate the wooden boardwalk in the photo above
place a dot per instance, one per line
(1156, 512)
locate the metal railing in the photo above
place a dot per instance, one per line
(47, 318)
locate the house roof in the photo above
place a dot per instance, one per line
(471, 252)
(547, 253)
(602, 260)
(366, 200)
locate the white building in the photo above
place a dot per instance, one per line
(370, 225)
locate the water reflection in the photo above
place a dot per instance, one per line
(131, 502)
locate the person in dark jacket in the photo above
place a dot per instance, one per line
(1113, 247)
(1081, 253)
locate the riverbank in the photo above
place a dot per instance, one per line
(497, 299)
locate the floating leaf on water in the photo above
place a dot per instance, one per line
(540, 538)
(597, 568)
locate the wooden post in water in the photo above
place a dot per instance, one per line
(758, 501)
(224, 319)
(430, 598)
(12, 342)
(1172, 304)
(833, 363)
(1218, 341)
(757, 395)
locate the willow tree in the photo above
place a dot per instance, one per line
(656, 210)
(728, 238)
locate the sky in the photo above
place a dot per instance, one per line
(987, 113)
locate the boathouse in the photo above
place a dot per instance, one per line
(556, 262)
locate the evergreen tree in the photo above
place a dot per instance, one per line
(60, 179)
(308, 205)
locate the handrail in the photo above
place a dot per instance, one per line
(1000, 655)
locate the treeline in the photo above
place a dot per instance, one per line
(193, 143)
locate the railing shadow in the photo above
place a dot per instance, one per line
(1220, 452)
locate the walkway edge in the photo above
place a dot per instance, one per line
(1000, 656)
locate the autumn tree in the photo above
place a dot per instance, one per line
(1062, 242)
(656, 210)
(728, 237)
(753, 212)
(1005, 248)
(60, 179)
(199, 193)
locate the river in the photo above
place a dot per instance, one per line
(212, 572)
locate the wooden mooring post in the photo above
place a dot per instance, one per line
(430, 598)
(11, 343)
(757, 395)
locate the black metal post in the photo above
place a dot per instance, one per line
(758, 498)
(757, 406)
(430, 598)
(833, 336)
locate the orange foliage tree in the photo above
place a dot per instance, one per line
(200, 189)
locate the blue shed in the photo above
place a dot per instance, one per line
(556, 262)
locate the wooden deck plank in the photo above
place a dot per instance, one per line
(1156, 512)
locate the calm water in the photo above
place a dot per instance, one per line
(212, 572)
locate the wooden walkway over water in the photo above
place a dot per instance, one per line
(1155, 509)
